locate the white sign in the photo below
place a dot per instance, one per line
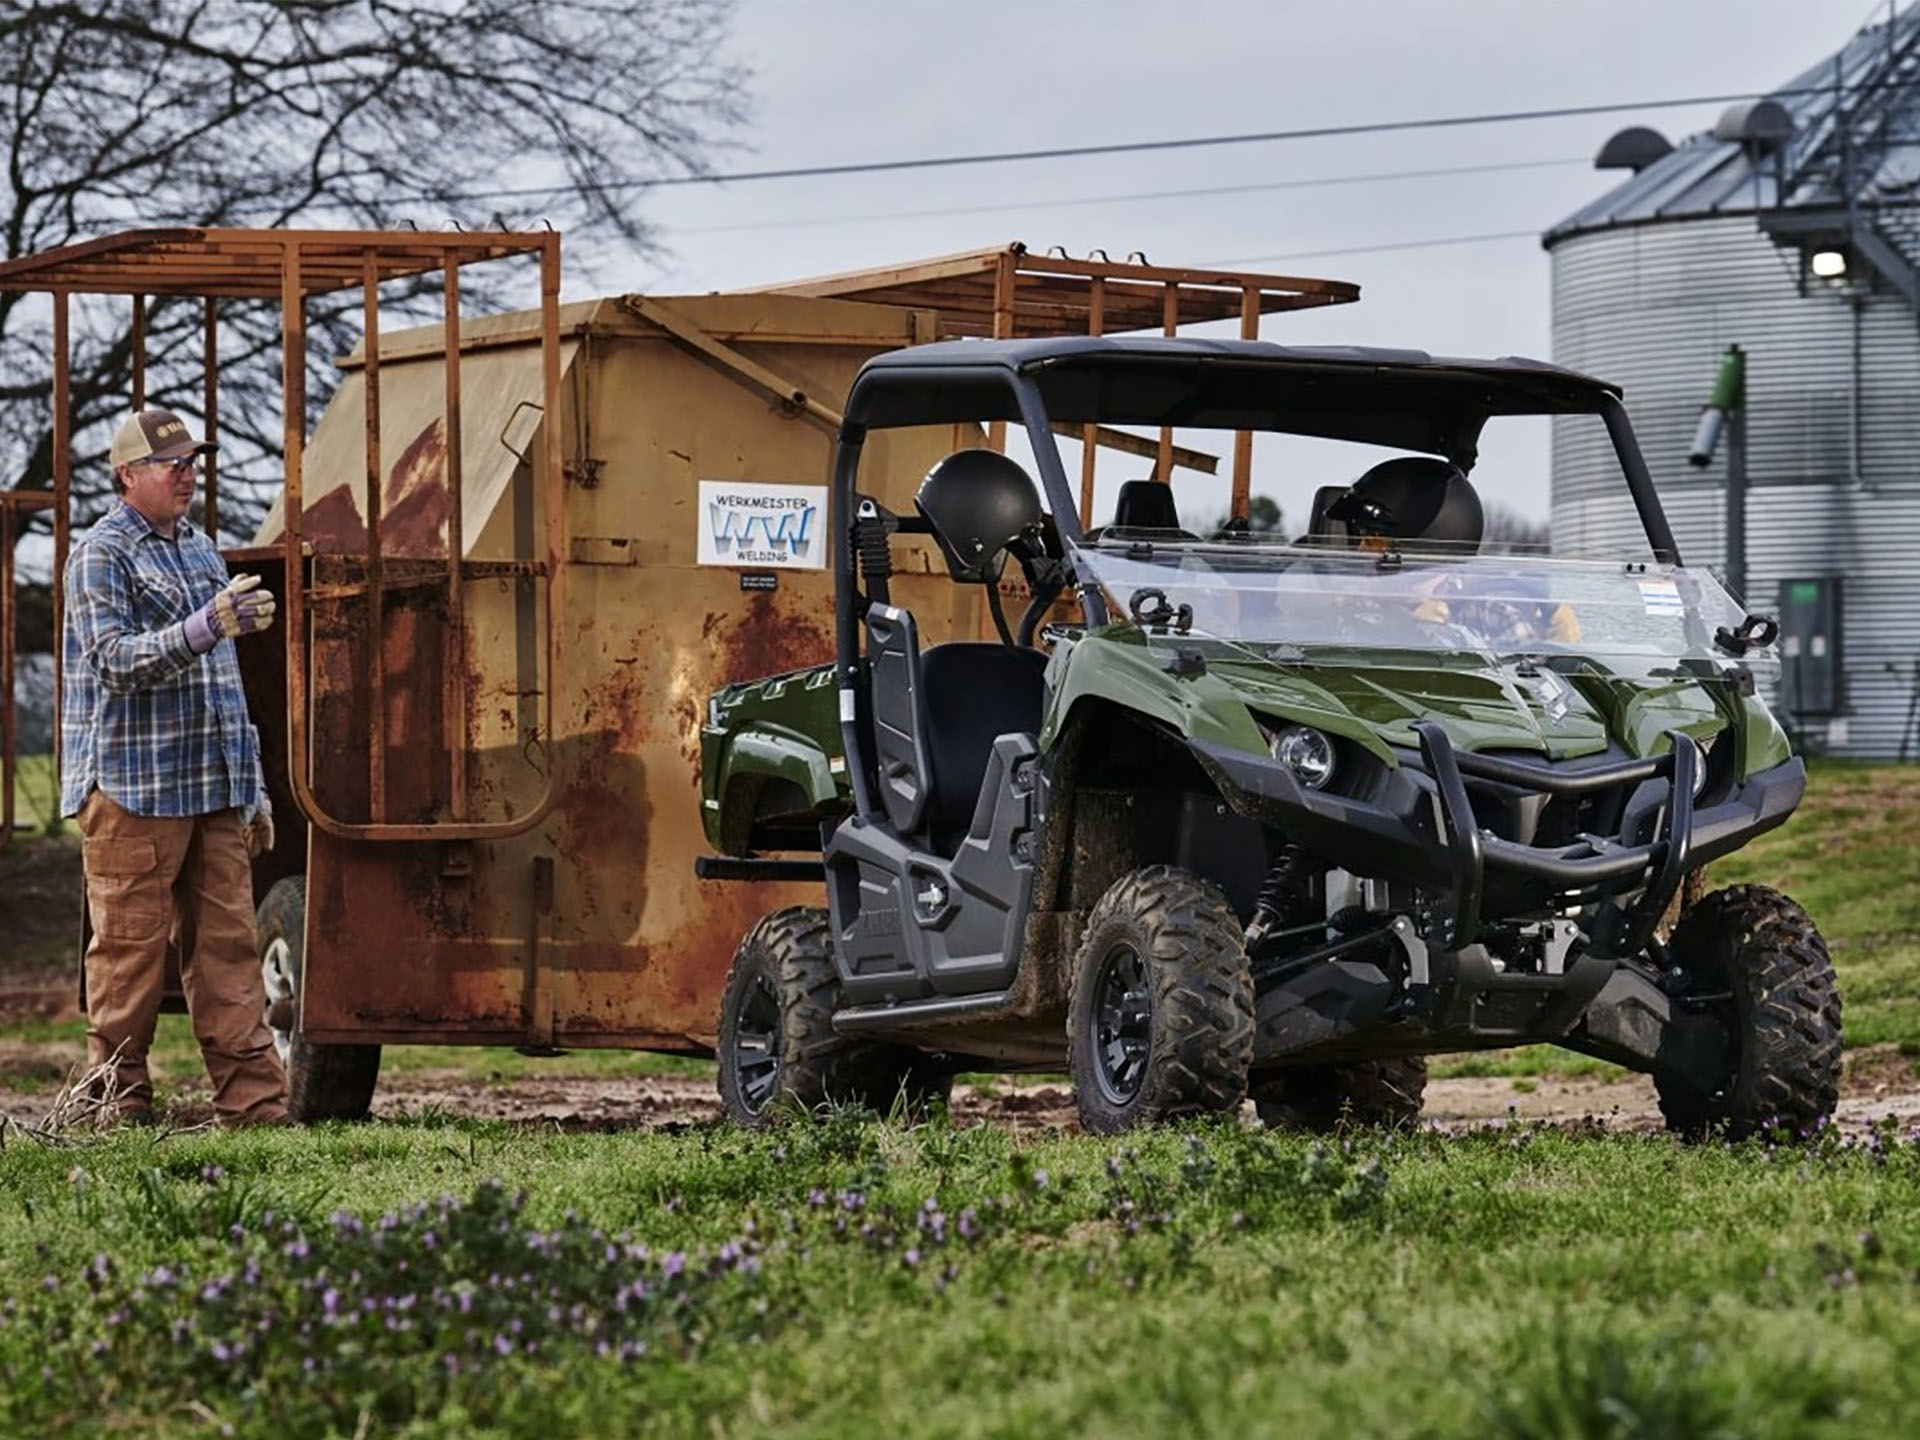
(753, 525)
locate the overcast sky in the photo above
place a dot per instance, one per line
(856, 80)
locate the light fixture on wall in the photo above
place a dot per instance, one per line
(1828, 264)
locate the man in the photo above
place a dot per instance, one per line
(162, 767)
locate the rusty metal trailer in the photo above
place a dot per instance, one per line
(499, 631)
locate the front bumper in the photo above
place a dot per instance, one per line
(1418, 825)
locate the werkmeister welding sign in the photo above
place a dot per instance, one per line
(745, 522)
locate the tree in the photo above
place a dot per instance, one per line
(1506, 529)
(1263, 518)
(340, 113)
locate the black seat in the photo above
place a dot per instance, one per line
(972, 694)
(1148, 505)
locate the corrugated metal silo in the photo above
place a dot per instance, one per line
(1709, 245)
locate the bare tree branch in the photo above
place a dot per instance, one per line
(124, 113)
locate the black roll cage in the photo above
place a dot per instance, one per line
(1009, 373)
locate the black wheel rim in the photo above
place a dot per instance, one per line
(756, 1045)
(1122, 1025)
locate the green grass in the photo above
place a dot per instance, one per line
(851, 1277)
(1849, 855)
(857, 1278)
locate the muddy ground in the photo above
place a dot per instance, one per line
(1879, 1084)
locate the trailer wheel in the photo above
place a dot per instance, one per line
(1384, 1093)
(777, 1043)
(1755, 961)
(324, 1082)
(1160, 1018)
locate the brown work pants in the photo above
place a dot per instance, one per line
(142, 872)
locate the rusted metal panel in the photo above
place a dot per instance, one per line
(634, 949)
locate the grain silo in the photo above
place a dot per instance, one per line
(1791, 230)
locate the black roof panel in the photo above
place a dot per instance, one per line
(1026, 354)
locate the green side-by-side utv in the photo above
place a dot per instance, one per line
(1226, 814)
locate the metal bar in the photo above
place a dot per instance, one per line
(1243, 439)
(455, 706)
(1646, 500)
(1462, 833)
(1089, 434)
(1736, 503)
(210, 402)
(551, 476)
(536, 997)
(376, 600)
(917, 1012)
(9, 756)
(1170, 325)
(293, 397)
(1666, 881)
(1005, 277)
(139, 352)
(1121, 440)
(547, 477)
(727, 867)
(777, 387)
(62, 503)
(1557, 780)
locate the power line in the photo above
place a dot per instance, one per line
(1064, 203)
(1427, 244)
(1136, 147)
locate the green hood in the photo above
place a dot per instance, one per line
(1374, 697)
(1483, 704)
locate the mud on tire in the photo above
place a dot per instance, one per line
(1385, 1093)
(1160, 1017)
(1760, 958)
(324, 1082)
(778, 1049)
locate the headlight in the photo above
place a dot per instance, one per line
(1305, 752)
(1700, 767)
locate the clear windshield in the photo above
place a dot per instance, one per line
(1332, 604)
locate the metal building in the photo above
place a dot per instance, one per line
(1791, 230)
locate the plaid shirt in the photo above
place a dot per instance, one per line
(161, 730)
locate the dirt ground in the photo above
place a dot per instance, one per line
(1879, 1083)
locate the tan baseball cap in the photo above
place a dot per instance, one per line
(154, 435)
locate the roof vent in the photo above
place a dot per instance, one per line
(1760, 125)
(1633, 148)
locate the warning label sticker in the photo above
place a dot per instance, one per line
(1661, 597)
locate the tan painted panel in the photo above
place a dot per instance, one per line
(499, 414)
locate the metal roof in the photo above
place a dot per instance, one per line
(1856, 138)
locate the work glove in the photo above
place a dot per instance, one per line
(242, 608)
(259, 830)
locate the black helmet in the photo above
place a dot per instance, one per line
(977, 501)
(1418, 498)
